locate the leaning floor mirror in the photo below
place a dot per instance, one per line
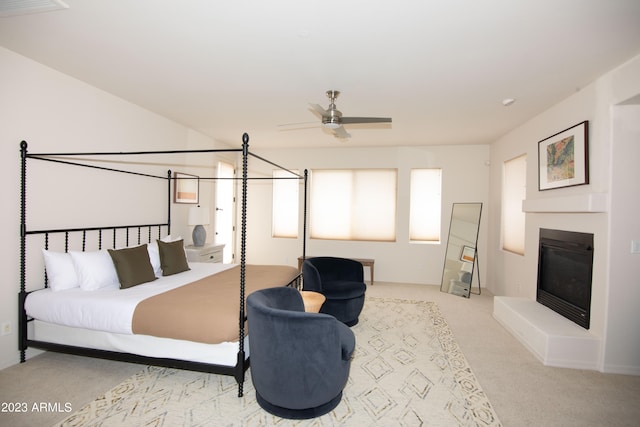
(461, 256)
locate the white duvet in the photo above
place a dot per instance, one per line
(109, 310)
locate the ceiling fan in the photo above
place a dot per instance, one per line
(332, 117)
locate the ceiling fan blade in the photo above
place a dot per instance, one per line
(297, 124)
(297, 128)
(318, 109)
(352, 120)
(341, 132)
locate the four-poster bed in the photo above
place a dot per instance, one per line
(202, 343)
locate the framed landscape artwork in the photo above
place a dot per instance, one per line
(186, 188)
(563, 158)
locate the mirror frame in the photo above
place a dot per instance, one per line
(461, 257)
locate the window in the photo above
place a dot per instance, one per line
(358, 204)
(425, 205)
(285, 204)
(514, 186)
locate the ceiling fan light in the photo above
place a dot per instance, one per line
(331, 125)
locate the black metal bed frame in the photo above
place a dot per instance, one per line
(242, 363)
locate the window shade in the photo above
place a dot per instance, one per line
(514, 188)
(357, 204)
(285, 205)
(426, 205)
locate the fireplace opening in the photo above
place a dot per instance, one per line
(565, 265)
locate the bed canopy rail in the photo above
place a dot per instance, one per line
(66, 158)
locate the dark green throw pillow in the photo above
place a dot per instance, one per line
(132, 265)
(173, 259)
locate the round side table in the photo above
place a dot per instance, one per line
(312, 301)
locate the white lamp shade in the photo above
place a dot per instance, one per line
(198, 216)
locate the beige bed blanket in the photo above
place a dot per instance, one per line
(207, 310)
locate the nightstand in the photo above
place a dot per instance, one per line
(206, 253)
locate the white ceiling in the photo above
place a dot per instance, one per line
(439, 68)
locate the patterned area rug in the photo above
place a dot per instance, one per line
(407, 371)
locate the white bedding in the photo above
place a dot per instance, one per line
(225, 353)
(108, 310)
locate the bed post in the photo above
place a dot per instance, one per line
(168, 202)
(243, 239)
(304, 218)
(22, 320)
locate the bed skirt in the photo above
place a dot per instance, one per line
(224, 354)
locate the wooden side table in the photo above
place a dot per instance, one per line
(312, 301)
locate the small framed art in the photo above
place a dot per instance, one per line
(468, 254)
(563, 158)
(186, 188)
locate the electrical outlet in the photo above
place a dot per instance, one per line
(6, 328)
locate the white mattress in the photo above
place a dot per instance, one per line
(107, 310)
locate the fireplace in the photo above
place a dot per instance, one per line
(565, 265)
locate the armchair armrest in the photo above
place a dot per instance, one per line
(329, 269)
(347, 341)
(311, 278)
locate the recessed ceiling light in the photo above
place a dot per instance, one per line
(508, 101)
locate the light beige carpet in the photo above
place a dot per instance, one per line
(407, 370)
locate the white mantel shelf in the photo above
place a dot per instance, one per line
(581, 203)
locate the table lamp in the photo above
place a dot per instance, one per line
(198, 217)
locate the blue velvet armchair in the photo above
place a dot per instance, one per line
(299, 361)
(341, 281)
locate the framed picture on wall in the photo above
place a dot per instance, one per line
(468, 254)
(186, 188)
(563, 158)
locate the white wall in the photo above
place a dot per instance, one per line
(465, 179)
(54, 112)
(623, 323)
(613, 153)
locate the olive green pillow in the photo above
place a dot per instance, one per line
(132, 265)
(173, 259)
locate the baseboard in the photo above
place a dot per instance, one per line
(621, 370)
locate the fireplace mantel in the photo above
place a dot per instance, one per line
(580, 203)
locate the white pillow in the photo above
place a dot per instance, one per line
(61, 273)
(154, 253)
(95, 270)
(154, 257)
